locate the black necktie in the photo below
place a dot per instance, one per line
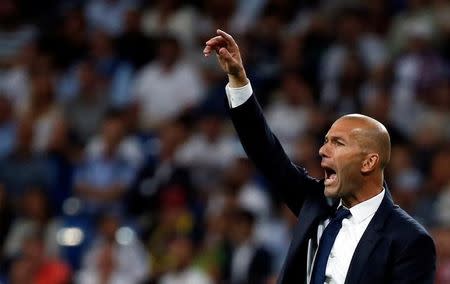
(325, 245)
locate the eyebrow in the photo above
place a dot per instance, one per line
(335, 138)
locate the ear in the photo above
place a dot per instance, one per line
(370, 163)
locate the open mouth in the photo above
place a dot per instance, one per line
(330, 175)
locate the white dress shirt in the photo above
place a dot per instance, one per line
(352, 228)
(240, 262)
(347, 239)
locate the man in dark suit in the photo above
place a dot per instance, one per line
(348, 230)
(246, 261)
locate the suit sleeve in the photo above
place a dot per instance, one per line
(417, 263)
(266, 152)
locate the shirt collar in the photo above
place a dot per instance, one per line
(367, 208)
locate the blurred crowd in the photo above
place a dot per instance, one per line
(118, 163)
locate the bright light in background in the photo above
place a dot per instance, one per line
(71, 206)
(125, 236)
(71, 236)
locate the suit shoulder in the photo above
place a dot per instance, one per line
(404, 223)
(405, 227)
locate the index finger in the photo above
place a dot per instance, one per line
(216, 40)
(228, 38)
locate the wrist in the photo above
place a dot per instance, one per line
(238, 80)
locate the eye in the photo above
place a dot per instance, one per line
(337, 142)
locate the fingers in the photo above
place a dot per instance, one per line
(228, 55)
(214, 43)
(216, 40)
(225, 54)
(207, 50)
(222, 40)
(228, 38)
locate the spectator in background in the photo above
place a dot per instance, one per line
(213, 248)
(343, 95)
(181, 252)
(62, 154)
(246, 14)
(23, 167)
(33, 216)
(274, 236)
(415, 12)
(108, 15)
(85, 111)
(15, 80)
(216, 13)
(442, 238)
(311, 34)
(240, 179)
(441, 185)
(103, 268)
(20, 272)
(291, 56)
(417, 69)
(33, 265)
(7, 126)
(407, 179)
(162, 82)
(172, 17)
(69, 46)
(209, 151)
(103, 179)
(6, 218)
(69, 43)
(249, 263)
(134, 46)
(129, 149)
(266, 43)
(42, 110)
(288, 114)
(14, 34)
(114, 74)
(173, 218)
(161, 170)
(304, 153)
(378, 82)
(379, 106)
(351, 38)
(239, 16)
(441, 11)
(432, 204)
(116, 255)
(434, 116)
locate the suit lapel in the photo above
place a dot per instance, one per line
(369, 239)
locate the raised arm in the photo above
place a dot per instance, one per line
(260, 144)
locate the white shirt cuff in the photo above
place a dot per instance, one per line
(238, 96)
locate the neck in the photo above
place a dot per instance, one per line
(370, 188)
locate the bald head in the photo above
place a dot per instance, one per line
(371, 135)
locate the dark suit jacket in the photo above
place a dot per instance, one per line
(259, 268)
(393, 249)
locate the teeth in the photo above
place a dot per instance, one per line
(330, 179)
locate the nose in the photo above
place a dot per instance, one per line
(323, 151)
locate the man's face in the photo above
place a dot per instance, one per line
(113, 131)
(342, 158)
